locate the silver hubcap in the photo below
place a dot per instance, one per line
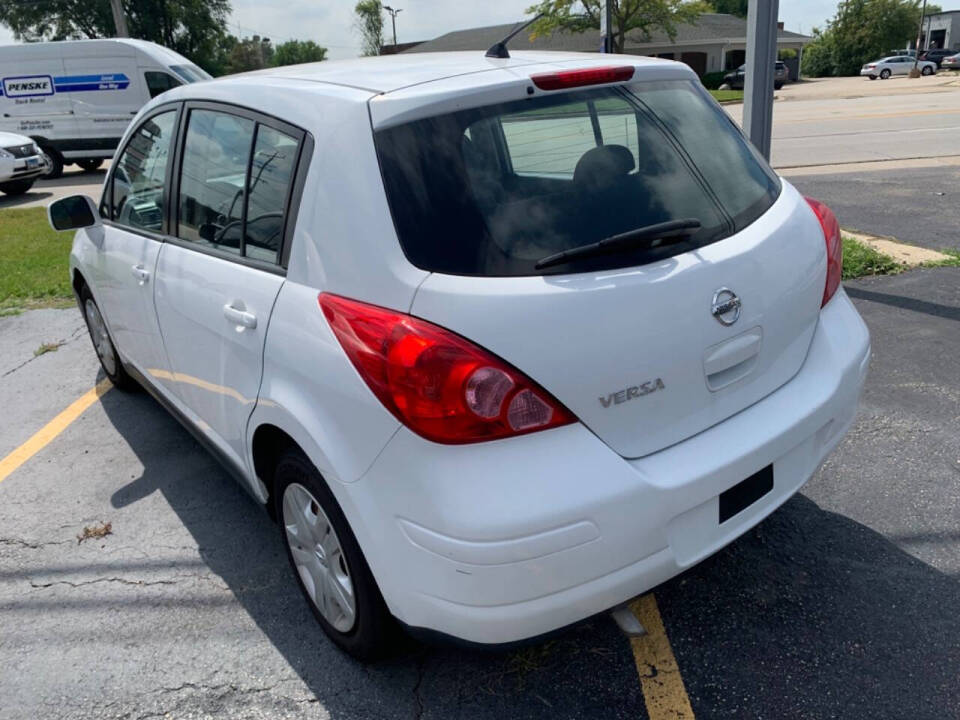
(318, 557)
(101, 339)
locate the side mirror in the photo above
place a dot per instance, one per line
(73, 213)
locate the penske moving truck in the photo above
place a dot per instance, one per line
(75, 98)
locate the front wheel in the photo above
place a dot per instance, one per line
(102, 343)
(54, 163)
(328, 563)
(16, 187)
(884, 74)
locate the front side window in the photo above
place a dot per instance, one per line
(235, 182)
(492, 190)
(159, 82)
(139, 174)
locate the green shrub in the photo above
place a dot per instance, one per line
(712, 80)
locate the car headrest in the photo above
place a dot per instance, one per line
(603, 165)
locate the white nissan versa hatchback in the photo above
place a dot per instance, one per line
(501, 343)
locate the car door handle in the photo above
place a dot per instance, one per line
(140, 273)
(240, 317)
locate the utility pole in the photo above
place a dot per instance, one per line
(915, 73)
(393, 20)
(119, 19)
(761, 64)
(606, 27)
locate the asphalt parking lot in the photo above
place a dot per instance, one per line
(844, 603)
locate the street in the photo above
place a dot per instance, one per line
(844, 603)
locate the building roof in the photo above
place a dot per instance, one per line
(709, 28)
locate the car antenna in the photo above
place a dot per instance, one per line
(499, 50)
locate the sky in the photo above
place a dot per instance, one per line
(330, 22)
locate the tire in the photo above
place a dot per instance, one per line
(927, 70)
(103, 343)
(17, 187)
(300, 494)
(90, 164)
(884, 74)
(777, 86)
(55, 161)
(872, 77)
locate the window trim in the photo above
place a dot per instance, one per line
(291, 202)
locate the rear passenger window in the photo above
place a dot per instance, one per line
(215, 158)
(138, 178)
(160, 82)
(235, 180)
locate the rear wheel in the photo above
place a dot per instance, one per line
(884, 74)
(872, 77)
(90, 164)
(777, 86)
(16, 187)
(328, 563)
(102, 343)
(927, 70)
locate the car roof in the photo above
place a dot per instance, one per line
(388, 73)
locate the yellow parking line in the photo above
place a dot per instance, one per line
(663, 689)
(53, 428)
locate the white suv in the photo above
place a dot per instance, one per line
(501, 343)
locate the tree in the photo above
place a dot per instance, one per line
(294, 52)
(369, 23)
(862, 30)
(254, 53)
(639, 18)
(193, 28)
(731, 7)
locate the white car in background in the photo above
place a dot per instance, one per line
(21, 163)
(500, 342)
(896, 65)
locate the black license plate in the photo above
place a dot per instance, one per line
(32, 163)
(745, 493)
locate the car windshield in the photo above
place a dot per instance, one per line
(490, 191)
(190, 73)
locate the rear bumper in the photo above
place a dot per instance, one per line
(497, 542)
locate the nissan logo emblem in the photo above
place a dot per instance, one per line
(726, 306)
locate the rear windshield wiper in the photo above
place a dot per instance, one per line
(649, 236)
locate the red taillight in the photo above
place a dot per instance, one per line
(438, 384)
(578, 78)
(831, 233)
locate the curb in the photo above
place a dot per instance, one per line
(907, 255)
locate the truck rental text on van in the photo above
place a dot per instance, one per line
(75, 98)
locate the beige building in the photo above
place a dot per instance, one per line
(714, 43)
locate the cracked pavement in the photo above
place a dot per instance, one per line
(844, 603)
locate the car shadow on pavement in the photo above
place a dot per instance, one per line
(809, 615)
(948, 312)
(586, 673)
(12, 201)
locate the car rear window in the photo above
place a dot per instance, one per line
(492, 190)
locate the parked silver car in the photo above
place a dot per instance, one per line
(896, 65)
(951, 62)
